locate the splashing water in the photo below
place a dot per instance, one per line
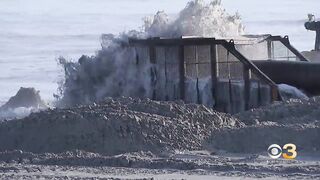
(288, 92)
(26, 101)
(114, 72)
(197, 19)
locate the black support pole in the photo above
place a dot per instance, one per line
(182, 72)
(269, 49)
(246, 77)
(214, 72)
(152, 54)
(153, 71)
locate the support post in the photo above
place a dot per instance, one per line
(181, 72)
(231, 101)
(214, 72)
(152, 54)
(246, 78)
(269, 49)
(152, 57)
(274, 93)
(198, 92)
(259, 94)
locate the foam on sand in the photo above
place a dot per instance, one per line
(289, 92)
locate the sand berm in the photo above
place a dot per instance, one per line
(122, 125)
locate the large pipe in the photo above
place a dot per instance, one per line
(303, 75)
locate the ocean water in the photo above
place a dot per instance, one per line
(34, 33)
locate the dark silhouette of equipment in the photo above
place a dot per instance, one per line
(314, 25)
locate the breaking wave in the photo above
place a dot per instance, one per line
(25, 102)
(113, 72)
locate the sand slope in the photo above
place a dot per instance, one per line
(115, 126)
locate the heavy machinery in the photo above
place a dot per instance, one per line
(314, 25)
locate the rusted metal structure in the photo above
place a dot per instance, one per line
(230, 75)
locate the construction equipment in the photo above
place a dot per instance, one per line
(314, 25)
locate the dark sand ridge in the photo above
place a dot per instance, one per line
(115, 126)
(293, 121)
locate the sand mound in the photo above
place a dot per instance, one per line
(124, 125)
(293, 111)
(115, 126)
(293, 121)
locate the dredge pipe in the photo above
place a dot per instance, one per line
(303, 75)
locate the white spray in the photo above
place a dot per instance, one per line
(113, 71)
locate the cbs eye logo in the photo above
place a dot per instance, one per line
(289, 151)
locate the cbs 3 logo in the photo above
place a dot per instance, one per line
(275, 151)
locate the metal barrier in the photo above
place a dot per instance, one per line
(210, 65)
